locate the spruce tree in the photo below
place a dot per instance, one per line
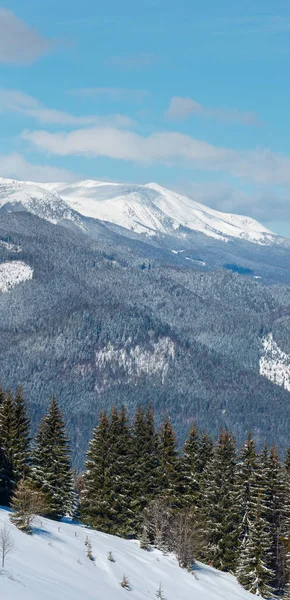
(51, 469)
(220, 508)
(7, 445)
(120, 475)
(14, 439)
(276, 512)
(21, 450)
(246, 486)
(205, 450)
(253, 571)
(191, 470)
(169, 467)
(94, 496)
(145, 462)
(108, 494)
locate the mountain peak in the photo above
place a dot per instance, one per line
(152, 209)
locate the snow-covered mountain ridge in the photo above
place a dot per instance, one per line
(52, 565)
(21, 195)
(143, 209)
(152, 209)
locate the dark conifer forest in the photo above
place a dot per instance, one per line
(212, 501)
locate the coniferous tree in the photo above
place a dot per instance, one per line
(191, 470)
(254, 572)
(51, 469)
(205, 450)
(21, 450)
(94, 496)
(7, 444)
(246, 485)
(120, 474)
(276, 512)
(220, 508)
(168, 471)
(145, 462)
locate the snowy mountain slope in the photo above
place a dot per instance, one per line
(12, 273)
(274, 363)
(19, 195)
(152, 209)
(52, 565)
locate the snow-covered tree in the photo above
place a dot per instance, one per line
(51, 468)
(220, 508)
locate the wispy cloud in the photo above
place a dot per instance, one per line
(19, 43)
(115, 94)
(132, 61)
(182, 108)
(15, 166)
(168, 148)
(263, 203)
(18, 102)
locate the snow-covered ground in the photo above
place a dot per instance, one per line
(152, 208)
(274, 363)
(12, 273)
(52, 565)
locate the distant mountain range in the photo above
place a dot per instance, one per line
(112, 293)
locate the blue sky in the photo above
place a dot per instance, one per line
(193, 95)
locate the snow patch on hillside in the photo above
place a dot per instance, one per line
(129, 361)
(52, 565)
(10, 247)
(12, 273)
(274, 363)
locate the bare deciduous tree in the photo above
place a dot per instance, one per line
(156, 524)
(26, 503)
(6, 543)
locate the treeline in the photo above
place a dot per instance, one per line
(228, 508)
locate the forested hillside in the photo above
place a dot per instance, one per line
(101, 323)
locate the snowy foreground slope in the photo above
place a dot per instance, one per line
(52, 565)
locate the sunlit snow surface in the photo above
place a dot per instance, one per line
(35, 199)
(52, 565)
(151, 208)
(274, 363)
(12, 273)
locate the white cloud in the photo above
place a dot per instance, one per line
(14, 166)
(260, 165)
(115, 94)
(18, 102)
(182, 108)
(19, 43)
(262, 203)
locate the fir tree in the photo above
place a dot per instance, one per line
(51, 470)
(7, 445)
(220, 509)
